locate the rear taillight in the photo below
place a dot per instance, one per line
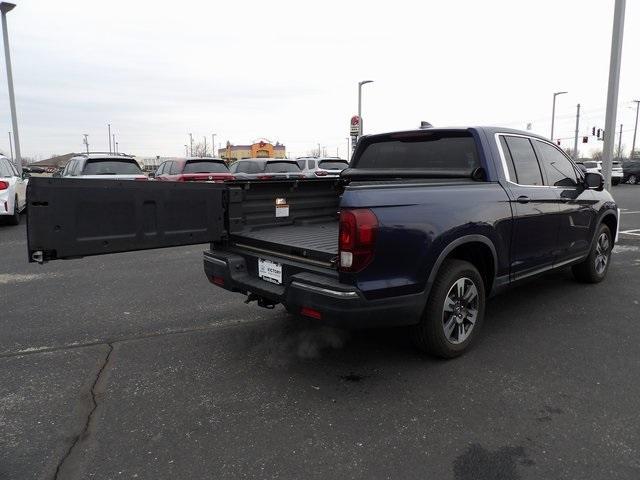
(4, 185)
(265, 177)
(320, 173)
(141, 178)
(357, 238)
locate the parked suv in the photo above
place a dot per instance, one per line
(265, 169)
(13, 194)
(104, 166)
(321, 167)
(631, 171)
(595, 166)
(194, 170)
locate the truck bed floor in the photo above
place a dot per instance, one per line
(320, 237)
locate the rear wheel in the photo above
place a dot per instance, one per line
(454, 311)
(632, 179)
(15, 218)
(594, 268)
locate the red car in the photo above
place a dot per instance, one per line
(194, 170)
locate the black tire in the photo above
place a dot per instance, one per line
(590, 270)
(632, 179)
(15, 218)
(429, 335)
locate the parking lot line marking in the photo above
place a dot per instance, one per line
(627, 211)
(634, 231)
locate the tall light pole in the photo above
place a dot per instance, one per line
(575, 140)
(11, 146)
(360, 84)
(114, 143)
(186, 150)
(619, 152)
(109, 125)
(5, 8)
(116, 147)
(86, 141)
(635, 129)
(213, 144)
(191, 143)
(553, 111)
(612, 90)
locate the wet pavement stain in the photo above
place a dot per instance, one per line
(478, 463)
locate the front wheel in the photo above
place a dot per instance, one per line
(594, 268)
(454, 311)
(632, 179)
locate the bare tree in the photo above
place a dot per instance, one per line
(596, 154)
(569, 151)
(199, 150)
(619, 152)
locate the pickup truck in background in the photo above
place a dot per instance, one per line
(419, 231)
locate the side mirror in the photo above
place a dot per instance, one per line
(594, 181)
(25, 175)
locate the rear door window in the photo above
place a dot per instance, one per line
(205, 166)
(301, 164)
(174, 169)
(524, 161)
(4, 169)
(111, 167)
(439, 152)
(559, 170)
(332, 165)
(281, 167)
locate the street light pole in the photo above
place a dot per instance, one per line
(612, 91)
(10, 146)
(191, 143)
(575, 140)
(553, 111)
(186, 150)
(5, 8)
(213, 144)
(360, 84)
(109, 125)
(635, 130)
(619, 153)
(114, 143)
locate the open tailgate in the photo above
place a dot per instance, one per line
(70, 218)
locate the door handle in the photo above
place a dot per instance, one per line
(523, 199)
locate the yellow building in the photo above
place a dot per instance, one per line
(261, 148)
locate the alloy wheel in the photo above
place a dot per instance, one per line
(602, 253)
(460, 310)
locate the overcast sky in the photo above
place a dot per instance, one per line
(288, 71)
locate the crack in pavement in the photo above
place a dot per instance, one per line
(79, 439)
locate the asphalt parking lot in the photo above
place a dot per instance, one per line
(134, 366)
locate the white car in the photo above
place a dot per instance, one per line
(13, 192)
(321, 167)
(595, 166)
(103, 166)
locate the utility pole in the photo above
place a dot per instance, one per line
(575, 140)
(5, 8)
(635, 130)
(553, 111)
(109, 125)
(86, 141)
(619, 153)
(114, 143)
(116, 148)
(186, 150)
(191, 143)
(360, 84)
(205, 146)
(11, 146)
(213, 144)
(612, 90)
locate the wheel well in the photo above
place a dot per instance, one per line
(480, 256)
(610, 221)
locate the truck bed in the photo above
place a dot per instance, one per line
(319, 237)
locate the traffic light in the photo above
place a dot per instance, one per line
(593, 132)
(599, 134)
(585, 139)
(558, 142)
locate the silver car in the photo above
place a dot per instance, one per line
(104, 166)
(265, 169)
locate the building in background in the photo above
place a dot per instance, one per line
(261, 148)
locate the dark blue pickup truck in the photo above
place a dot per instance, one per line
(421, 228)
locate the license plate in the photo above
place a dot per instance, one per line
(270, 271)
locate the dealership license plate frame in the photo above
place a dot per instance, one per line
(270, 271)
